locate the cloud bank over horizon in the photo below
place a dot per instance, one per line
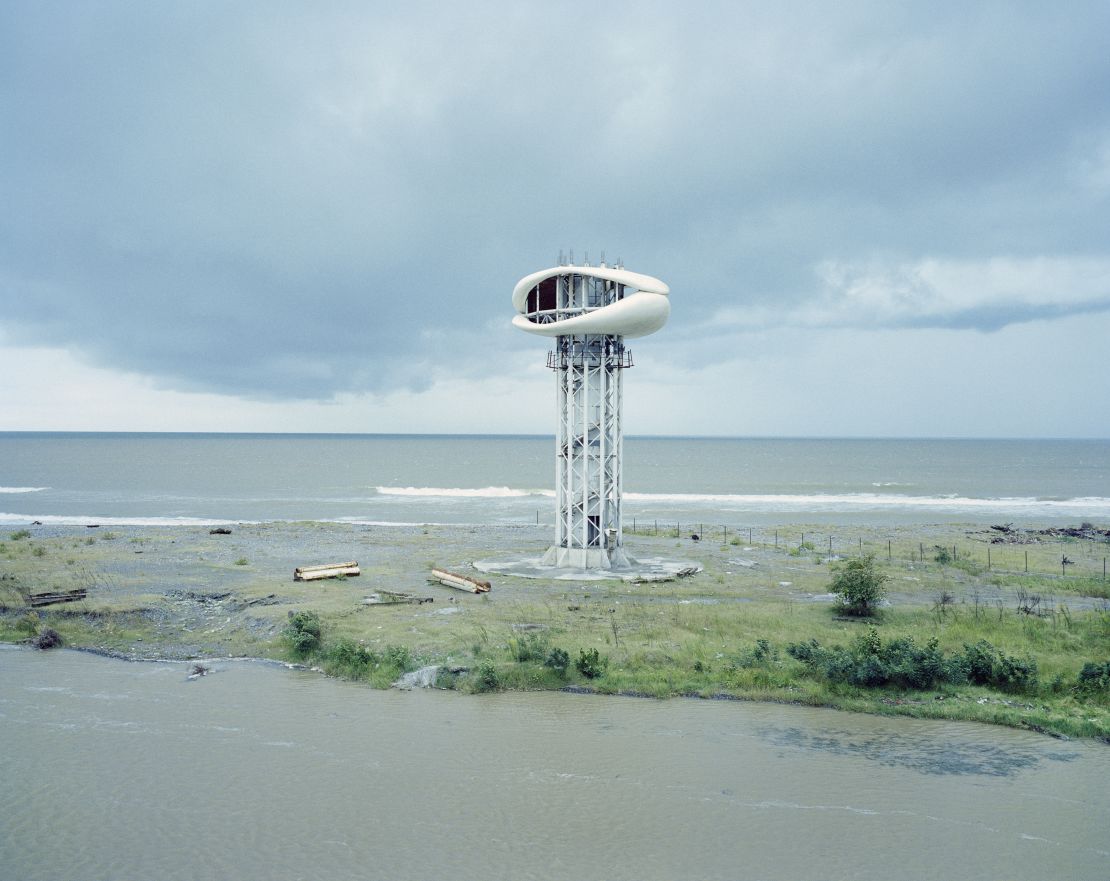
(260, 205)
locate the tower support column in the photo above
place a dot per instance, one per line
(589, 445)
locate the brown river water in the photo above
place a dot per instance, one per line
(115, 770)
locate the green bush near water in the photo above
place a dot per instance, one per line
(354, 660)
(486, 677)
(901, 663)
(20, 534)
(303, 632)
(558, 660)
(590, 664)
(1094, 678)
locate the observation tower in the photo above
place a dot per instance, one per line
(588, 311)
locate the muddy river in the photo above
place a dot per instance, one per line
(115, 770)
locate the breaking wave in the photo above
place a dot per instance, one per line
(1086, 506)
(1092, 505)
(68, 520)
(439, 492)
(22, 489)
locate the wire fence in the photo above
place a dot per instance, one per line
(1063, 557)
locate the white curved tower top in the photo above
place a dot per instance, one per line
(603, 300)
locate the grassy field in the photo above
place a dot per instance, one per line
(725, 632)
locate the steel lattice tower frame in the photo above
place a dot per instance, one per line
(588, 311)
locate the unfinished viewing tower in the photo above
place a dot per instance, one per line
(588, 311)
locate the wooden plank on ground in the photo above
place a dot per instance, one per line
(327, 570)
(460, 582)
(49, 598)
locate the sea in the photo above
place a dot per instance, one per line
(193, 479)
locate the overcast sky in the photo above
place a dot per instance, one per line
(875, 219)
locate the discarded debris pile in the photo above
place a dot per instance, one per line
(460, 582)
(390, 597)
(327, 570)
(656, 577)
(1006, 534)
(49, 598)
(49, 638)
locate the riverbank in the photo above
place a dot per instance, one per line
(181, 592)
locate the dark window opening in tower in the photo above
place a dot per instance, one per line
(593, 531)
(542, 298)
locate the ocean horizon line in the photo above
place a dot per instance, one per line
(25, 433)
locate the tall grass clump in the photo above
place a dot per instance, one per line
(349, 659)
(529, 647)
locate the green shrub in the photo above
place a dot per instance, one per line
(242, 561)
(529, 647)
(977, 663)
(350, 655)
(942, 555)
(399, 656)
(28, 624)
(1015, 674)
(590, 664)
(760, 655)
(39, 551)
(486, 677)
(558, 660)
(859, 586)
(303, 632)
(870, 663)
(20, 534)
(1094, 677)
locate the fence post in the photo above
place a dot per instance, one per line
(830, 545)
(749, 536)
(1027, 562)
(776, 539)
(888, 556)
(861, 545)
(988, 557)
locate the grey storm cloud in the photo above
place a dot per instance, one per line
(294, 200)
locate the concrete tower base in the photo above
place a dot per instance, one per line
(655, 569)
(586, 558)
